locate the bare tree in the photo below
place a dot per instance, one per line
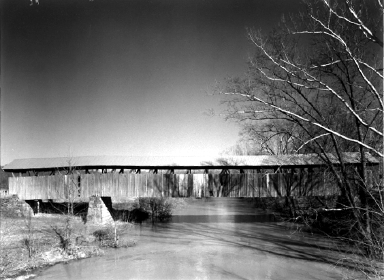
(321, 73)
(65, 231)
(265, 138)
(72, 185)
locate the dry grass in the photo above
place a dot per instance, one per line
(29, 242)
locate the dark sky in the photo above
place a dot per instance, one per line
(108, 77)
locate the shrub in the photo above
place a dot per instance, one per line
(64, 233)
(138, 215)
(103, 234)
(157, 209)
(109, 236)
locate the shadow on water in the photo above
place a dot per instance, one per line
(213, 239)
(267, 237)
(243, 226)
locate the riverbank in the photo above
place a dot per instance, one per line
(210, 220)
(30, 242)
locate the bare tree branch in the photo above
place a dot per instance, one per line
(294, 115)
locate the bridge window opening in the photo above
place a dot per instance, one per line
(78, 186)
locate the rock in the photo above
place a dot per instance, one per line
(52, 256)
(81, 255)
(24, 277)
(91, 239)
(85, 240)
(81, 240)
(14, 207)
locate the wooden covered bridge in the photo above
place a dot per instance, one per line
(126, 178)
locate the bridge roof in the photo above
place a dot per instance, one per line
(163, 162)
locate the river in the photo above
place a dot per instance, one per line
(222, 238)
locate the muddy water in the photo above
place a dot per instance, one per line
(211, 239)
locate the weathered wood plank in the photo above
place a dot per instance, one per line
(211, 187)
(134, 191)
(182, 183)
(149, 185)
(122, 183)
(173, 185)
(233, 185)
(158, 185)
(273, 184)
(198, 185)
(255, 186)
(94, 189)
(23, 184)
(248, 185)
(217, 185)
(56, 188)
(104, 185)
(130, 186)
(108, 189)
(144, 184)
(28, 187)
(94, 184)
(114, 186)
(139, 184)
(121, 186)
(43, 185)
(29, 192)
(243, 185)
(190, 185)
(165, 183)
(263, 185)
(12, 186)
(19, 186)
(224, 180)
(101, 183)
(83, 186)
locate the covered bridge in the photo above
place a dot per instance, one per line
(125, 178)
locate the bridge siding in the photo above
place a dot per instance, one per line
(126, 186)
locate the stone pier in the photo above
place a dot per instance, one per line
(98, 212)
